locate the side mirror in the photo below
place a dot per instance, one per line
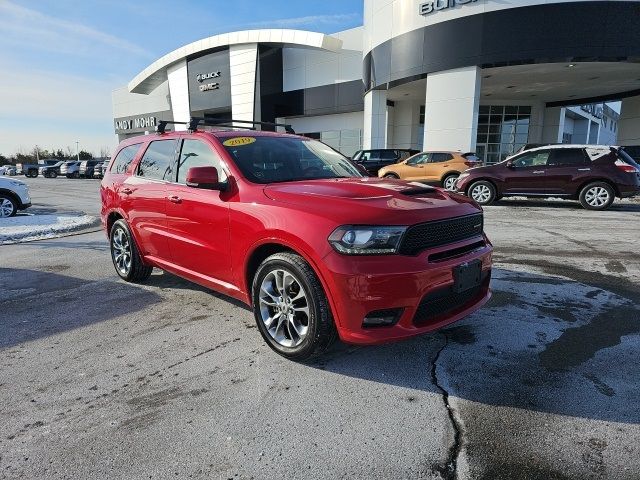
(204, 177)
(510, 164)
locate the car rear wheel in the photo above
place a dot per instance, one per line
(597, 196)
(291, 308)
(482, 192)
(391, 175)
(449, 182)
(53, 174)
(125, 255)
(8, 206)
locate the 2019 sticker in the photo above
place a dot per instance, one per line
(238, 141)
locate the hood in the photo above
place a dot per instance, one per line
(9, 180)
(372, 199)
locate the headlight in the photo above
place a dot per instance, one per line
(463, 175)
(17, 184)
(366, 240)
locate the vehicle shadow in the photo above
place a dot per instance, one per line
(36, 304)
(166, 280)
(562, 204)
(542, 343)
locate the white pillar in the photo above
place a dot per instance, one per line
(629, 122)
(243, 64)
(451, 110)
(179, 92)
(375, 120)
(553, 125)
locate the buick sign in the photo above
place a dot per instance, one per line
(201, 77)
(436, 5)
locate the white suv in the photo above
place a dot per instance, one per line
(14, 196)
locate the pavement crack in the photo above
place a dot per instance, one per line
(448, 468)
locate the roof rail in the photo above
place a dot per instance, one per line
(229, 122)
(192, 124)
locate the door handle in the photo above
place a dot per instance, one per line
(175, 199)
(537, 171)
(584, 169)
(127, 191)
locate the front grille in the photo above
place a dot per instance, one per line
(445, 300)
(440, 232)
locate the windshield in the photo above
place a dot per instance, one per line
(286, 159)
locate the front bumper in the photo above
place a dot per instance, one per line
(360, 285)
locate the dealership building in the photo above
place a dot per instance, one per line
(470, 75)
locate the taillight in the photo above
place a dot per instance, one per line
(625, 167)
(471, 164)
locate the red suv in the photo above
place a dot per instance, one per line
(592, 174)
(289, 226)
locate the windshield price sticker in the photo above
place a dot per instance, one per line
(238, 141)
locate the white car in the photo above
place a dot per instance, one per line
(14, 196)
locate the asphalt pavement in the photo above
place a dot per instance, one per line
(100, 378)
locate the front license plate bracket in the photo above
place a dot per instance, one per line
(467, 276)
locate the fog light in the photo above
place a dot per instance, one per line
(382, 318)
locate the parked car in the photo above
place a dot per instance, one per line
(14, 196)
(287, 225)
(50, 171)
(8, 170)
(31, 169)
(594, 175)
(374, 160)
(86, 168)
(70, 169)
(98, 169)
(440, 167)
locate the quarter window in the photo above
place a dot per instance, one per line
(157, 162)
(195, 153)
(124, 158)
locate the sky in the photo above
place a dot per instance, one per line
(61, 59)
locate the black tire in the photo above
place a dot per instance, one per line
(75, 175)
(321, 332)
(597, 196)
(136, 271)
(8, 206)
(53, 174)
(391, 175)
(452, 177)
(483, 192)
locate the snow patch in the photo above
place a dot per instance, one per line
(22, 228)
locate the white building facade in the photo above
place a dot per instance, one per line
(471, 75)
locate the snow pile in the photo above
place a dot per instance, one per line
(23, 228)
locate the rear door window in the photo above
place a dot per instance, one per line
(567, 157)
(124, 158)
(388, 155)
(438, 157)
(157, 162)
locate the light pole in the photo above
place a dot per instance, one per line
(77, 151)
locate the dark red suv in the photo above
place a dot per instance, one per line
(594, 175)
(289, 226)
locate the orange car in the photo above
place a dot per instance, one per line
(442, 167)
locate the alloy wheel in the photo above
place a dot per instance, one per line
(6, 207)
(284, 307)
(597, 196)
(481, 193)
(450, 183)
(121, 251)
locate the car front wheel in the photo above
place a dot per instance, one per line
(125, 255)
(291, 308)
(482, 192)
(597, 196)
(8, 206)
